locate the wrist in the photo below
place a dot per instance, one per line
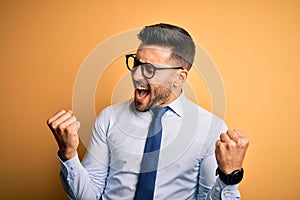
(67, 154)
(229, 169)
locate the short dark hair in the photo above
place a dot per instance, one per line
(171, 36)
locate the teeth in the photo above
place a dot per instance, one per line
(141, 88)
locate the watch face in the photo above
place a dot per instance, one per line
(237, 176)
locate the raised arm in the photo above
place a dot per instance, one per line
(79, 181)
(227, 156)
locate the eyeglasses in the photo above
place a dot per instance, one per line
(148, 70)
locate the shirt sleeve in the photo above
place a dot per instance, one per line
(87, 180)
(211, 187)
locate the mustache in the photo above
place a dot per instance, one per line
(140, 82)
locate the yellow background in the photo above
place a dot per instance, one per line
(255, 46)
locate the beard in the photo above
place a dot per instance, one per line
(159, 96)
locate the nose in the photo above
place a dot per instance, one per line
(137, 74)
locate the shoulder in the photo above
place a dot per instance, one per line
(204, 118)
(191, 108)
(110, 113)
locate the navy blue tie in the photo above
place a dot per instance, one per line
(146, 182)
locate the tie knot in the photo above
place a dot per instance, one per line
(158, 112)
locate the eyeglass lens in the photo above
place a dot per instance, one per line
(148, 70)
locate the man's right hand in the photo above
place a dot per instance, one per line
(64, 127)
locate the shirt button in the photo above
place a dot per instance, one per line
(217, 188)
(73, 167)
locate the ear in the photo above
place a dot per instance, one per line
(181, 78)
(183, 75)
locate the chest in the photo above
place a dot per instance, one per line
(181, 145)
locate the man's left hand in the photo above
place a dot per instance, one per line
(230, 150)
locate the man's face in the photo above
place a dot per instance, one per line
(157, 91)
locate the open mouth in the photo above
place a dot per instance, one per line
(141, 92)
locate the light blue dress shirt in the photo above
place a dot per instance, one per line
(187, 164)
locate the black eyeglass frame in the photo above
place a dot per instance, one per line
(142, 64)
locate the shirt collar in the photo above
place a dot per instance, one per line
(176, 105)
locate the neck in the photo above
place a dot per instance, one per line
(173, 96)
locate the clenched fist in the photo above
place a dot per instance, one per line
(64, 127)
(230, 150)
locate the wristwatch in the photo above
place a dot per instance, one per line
(231, 179)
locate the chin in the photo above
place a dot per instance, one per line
(140, 106)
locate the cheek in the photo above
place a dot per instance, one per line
(163, 79)
(161, 89)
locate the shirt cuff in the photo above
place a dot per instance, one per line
(226, 192)
(69, 168)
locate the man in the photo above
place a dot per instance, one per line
(179, 160)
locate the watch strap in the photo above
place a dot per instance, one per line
(231, 179)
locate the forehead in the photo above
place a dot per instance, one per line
(154, 54)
